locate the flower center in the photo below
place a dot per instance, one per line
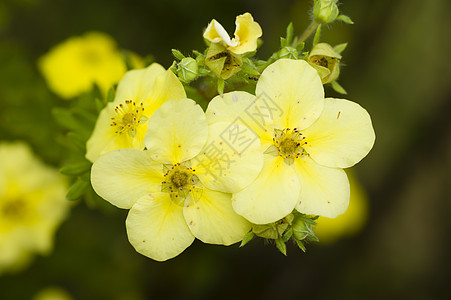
(288, 144)
(179, 181)
(128, 117)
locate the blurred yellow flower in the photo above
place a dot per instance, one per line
(179, 188)
(73, 66)
(52, 293)
(351, 222)
(32, 205)
(307, 141)
(123, 122)
(246, 34)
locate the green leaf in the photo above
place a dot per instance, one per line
(76, 168)
(77, 189)
(345, 19)
(99, 104)
(78, 141)
(338, 88)
(283, 42)
(280, 244)
(247, 238)
(289, 37)
(300, 46)
(317, 35)
(111, 94)
(177, 54)
(340, 48)
(65, 118)
(300, 245)
(220, 86)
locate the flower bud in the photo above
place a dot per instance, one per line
(326, 61)
(187, 69)
(222, 62)
(288, 52)
(325, 11)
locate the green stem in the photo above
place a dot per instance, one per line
(307, 32)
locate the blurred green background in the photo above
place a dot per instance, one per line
(397, 66)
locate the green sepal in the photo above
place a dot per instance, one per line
(77, 189)
(111, 94)
(345, 19)
(247, 238)
(300, 245)
(289, 37)
(99, 104)
(177, 54)
(280, 244)
(283, 42)
(287, 235)
(340, 47)
(220, 86)
(76, 168)
(317, 35)
(338, 88)
(300, 47)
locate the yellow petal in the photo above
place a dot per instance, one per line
(296, 88)
(247, 32)
(212, 219)
(156, 227)
(215, 33)
(231, 159)
(177, 131)
(324, 191)
(244, 109)
(272, 196)
(341, 136)
(125, 175)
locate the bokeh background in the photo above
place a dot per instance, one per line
(397, 65)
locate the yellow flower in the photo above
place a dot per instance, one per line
(179, 188)
(307, 141)
(32, 204)
(351, 222)
(52, 293)
(123, 122)
(73, 66)
(246, 34)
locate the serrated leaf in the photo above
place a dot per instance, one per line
(76, 168)
(338, 88)
(177, 54)
(317, 35)
(247, 238)
(345, 19)
(289, 33)
(77, 189)
(300, 245)
(340, 48)
(280, 244)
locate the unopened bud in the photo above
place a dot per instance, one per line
(187, 69)
(325, 11)
(288, 52)
(222, 62)
(326, 61)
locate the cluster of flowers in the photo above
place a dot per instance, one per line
(262, 163)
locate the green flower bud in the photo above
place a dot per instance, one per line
(223, 62)
(325, 11)
(326, 61)
(187, 69)
(274, 230)
(288, 52)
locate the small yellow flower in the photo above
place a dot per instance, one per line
(123, 122)
(32, 205)
(307, 141)
(52, 293)
(179, 188)
(73, 66)
(351, 222)
(246, 34)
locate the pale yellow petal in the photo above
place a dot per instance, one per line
(341, 136)
(272, 196)
(215, 33)
(231, 159)
(125, 175)
(247, 32)
(156, 227)
(212, 219)
(297, 90)
(137, 84)
(324, 191)
(177, 131)
(245, 109)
